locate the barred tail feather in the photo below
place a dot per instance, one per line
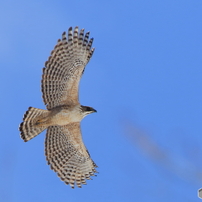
(29, 127)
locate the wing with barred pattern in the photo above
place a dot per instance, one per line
(64, 68)
(67, 155)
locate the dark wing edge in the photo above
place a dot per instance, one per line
(67, 155)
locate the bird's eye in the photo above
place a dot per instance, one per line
(88, 109)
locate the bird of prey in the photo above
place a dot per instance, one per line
(64, 149)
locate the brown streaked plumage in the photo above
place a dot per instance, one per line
(64, 148)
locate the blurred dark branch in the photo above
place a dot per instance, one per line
(177, 164)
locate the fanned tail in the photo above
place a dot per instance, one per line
(30, 128)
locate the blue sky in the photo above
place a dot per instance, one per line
(144, 79)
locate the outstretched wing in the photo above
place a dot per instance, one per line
(67, 155)
(64, 68)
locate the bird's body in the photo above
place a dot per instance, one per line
(61, 115)
(65, 151)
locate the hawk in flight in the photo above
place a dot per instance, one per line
(64, 149)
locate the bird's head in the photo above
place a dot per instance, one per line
(87, 110)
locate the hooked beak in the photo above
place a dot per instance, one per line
(94, 110)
